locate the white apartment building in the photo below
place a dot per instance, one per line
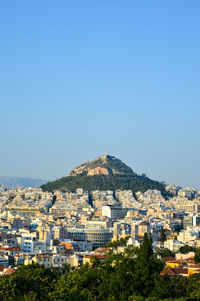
(173, 245)
(186, 236)
(113, 211)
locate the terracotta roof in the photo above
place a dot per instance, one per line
(195, 266)
(101, 250)
(179, 271)
(10, 249)
(165, 259)
(175, 272)
(10, 271)
(43, 256)
(167, 273)
(67, 244)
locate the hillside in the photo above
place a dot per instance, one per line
(104, 173)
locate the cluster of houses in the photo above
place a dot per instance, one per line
(64, 227)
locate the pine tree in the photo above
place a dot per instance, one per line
(162, 235)
(146, 248)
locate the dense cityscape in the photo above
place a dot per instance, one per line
(64, 227)
(67, 231)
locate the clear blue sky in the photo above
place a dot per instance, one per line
(81, 78)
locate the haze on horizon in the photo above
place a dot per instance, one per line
(81, 78)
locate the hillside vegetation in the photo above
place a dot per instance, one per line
(109, 182)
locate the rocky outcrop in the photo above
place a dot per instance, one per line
(98, 171)
(104, 165)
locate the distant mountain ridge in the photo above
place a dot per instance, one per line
(20, 181)
(104, 173)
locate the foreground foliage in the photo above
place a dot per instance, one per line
(134, 275)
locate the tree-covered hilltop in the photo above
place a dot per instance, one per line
(106, 182)
(105, 173)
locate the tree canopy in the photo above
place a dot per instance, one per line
(133, 275)
(110, 182)
(186, 249)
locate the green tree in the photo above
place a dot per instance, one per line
(146, 248)
(186, 249)
(168, 288)
(165, 253)
(117, 277)
(118, 243)
(90, 200)
(192, 287)
(147, 267)
(81, 284)
(197, 256)
(162, 235)
(27, 281)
